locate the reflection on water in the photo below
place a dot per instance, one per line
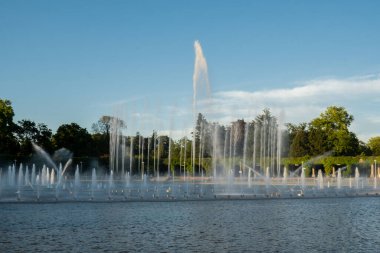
(298, 225)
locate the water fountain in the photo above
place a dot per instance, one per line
(320, 180)
(244, 161)
(93, 183)
(339, 180)
(357, 178)
(77, 183)
(130, 188)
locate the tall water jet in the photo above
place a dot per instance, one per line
(114, 144)
(145, 181)
(375, 182)
(216, 149)
(131, 156)
(33, 176)
(127, 179)
(154, 152)
(110, 184)
(142, 156)
(169, 157)
(43, 175)
(158, 157)
(59, 185)
(320, 180)
(148, 158)
(375, 176)
(357, 175)
(279, 143)
(302, 178)
(267, 179)
(76, 182)
(38, 185)
(59, 175)
(14, 175)
(52, 177)
(122, 156)
(254, 153)
(225, 154)
(339, 179)
(11, 175)
(47, 180)
(139, 155)
(201, 89)
(26, 177)
(20, 181)
(246, 129)
(285, 176)
(59, 182)
(93, 183)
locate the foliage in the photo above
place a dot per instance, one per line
(8, 142)
(374, 145)
(330, 131)
(300, 144)
(28, 132)
(75, 138)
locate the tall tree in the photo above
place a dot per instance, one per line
(238, 133)
(8, 142)
(28, 132)
(330, 131)
(103, 125)
(299, 142)
(74, 138)
(374, 145)
(202, 137)
(101, 135)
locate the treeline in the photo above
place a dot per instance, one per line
(261, 137)
(16, 138)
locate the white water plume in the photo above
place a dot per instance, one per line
(201, 88)
(201, 84)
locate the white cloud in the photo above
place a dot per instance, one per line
(359, 95)
(316, 89)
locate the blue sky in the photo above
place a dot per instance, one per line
(72, 61)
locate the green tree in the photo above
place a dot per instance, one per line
(299, 141)
(74, 138)
(8, 142)
(202, 137)
(238, 132)
(101, 135)
(317, 138)
(330, 131)
(28, 132)
(364, 149)
(103, 125)
(374, 145)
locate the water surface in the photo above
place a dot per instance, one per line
(266, 225)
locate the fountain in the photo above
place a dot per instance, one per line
(320, 180)
(302, 178)
(110, 187)
(233, 161)
(339, 179)
(76, 183)
(93, 183)
(357, 178)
